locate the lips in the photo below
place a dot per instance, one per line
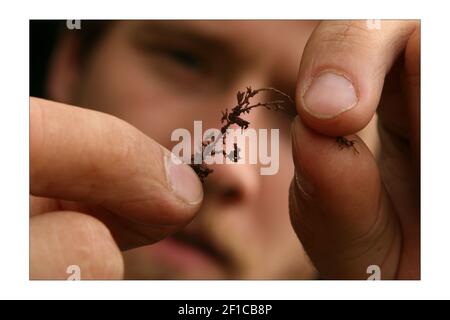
(202, 244)
(191, 253)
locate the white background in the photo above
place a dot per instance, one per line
(14, 183)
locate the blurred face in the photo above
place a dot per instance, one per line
(163, 75)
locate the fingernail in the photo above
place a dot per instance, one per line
(183, 181)
(329, 94)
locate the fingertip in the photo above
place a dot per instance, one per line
(326, 165)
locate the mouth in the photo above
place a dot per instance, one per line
(202, 244)
(191, 253)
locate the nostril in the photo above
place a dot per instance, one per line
(233, 184)
(230, 194)
(223, 192)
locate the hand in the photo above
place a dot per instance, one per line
(349, 209)
(99, 186)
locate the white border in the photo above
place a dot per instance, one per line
(14, 160)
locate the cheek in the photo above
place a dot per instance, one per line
(273, 208)
(271, 211)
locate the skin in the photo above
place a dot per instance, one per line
(101, 199)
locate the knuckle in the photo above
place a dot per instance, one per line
(113, 141)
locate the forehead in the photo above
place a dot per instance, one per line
(229, 29)
(238, 34)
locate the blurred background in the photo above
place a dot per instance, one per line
(43, 36)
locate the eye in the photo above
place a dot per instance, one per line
(180, 64)
(174, 56)
(185, 58)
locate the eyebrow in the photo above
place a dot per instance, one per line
(187, 32)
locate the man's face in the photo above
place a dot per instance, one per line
(163, 75)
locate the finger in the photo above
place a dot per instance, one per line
(339, 209)
(342, 72)
(87, 156)
(43, 205)
(412, 88)
(65, 244)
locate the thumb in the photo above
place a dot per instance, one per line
(342, 73)
(339, 208)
